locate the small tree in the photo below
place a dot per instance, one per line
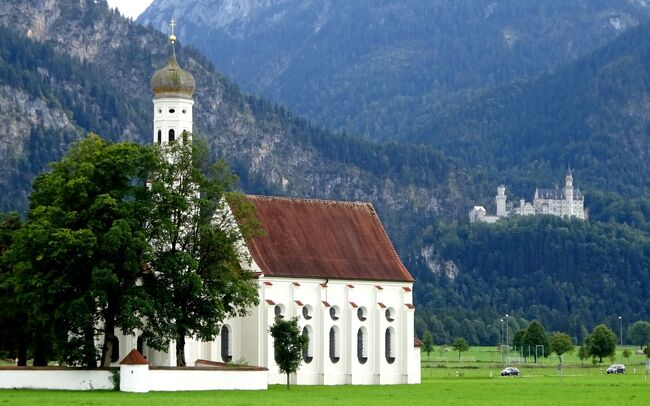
(460, 345)
(288, 345)
(427, 344)
(626, 354)
(583, 354)
(561, 343)
(601, 342)
(535, 335)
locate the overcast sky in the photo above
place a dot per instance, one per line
(130, 8)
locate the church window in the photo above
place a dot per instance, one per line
(362, 345)
(159, 111)
(115, 354)
(172, 136)
(159, 136)
(307, 312)
(362, 313)
(335, 351)
(390, 314)
(334, 313)
(226, 343)
(184, 111)
(390, 345)
(308, 350)
(172, 111)
(279, 311)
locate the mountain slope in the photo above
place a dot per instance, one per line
(592, 115)
(371, 66)
(92, 67)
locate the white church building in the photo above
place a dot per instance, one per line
(328, 263)
(566, 202)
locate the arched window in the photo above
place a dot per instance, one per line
(115, 354)
(278, 310)
(362, 313)
(390, 345)
(307, 312)
(159, 137)
(390, 314)
(335, 351)
(172, 136)
(226, 344)
(334, 313)
(308, 351)
(362, 345)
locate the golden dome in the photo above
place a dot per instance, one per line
(173, 81)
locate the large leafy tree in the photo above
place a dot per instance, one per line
(197, 275)
(13, 339)
(601, 342)
(288, 345)
(561, 343)
(639, 333)
(80, 255)
(536, 335)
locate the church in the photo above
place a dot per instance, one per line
(328, 263)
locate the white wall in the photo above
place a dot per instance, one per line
(55, 378)
(191, 379)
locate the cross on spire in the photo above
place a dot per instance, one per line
(172, 37)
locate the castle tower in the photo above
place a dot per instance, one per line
(501, 201)
(173, 88)
(568, 193)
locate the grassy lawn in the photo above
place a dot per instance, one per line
(448, 385)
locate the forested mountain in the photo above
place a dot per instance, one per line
(85, 68)
(570, 275)
(372, 66)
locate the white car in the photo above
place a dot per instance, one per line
(510, 371)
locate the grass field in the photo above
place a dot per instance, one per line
(449, 385)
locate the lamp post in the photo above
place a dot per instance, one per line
(501, 343)
(507, 338)
(620, 322)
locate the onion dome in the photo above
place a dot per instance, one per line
(172, 81)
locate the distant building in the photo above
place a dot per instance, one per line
(566, 202)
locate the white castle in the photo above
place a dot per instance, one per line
(567, 202)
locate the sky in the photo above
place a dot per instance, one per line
(130, 8)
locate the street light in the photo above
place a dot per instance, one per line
(507, 338)
(501, 342)
(620, 322)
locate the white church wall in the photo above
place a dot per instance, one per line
(191, 379)
(55, 378)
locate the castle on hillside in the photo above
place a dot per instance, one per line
(567, 202)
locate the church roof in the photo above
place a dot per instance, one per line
(323, 239)
(134, 358)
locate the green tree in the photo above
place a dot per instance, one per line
(288, 345)
(79, 256)
(601, 342)
(196, 279)
(427, 343)
(583, 354)
(561, 343)
(626, 354)
(646, 350)
(14, 338)
(639, 333)
(518, 340)
(460, 345)
(536, 335)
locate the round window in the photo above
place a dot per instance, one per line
(362, 313)
(172, 111)
(307, 312)
(390, 314)
(279, 311)
(334, 313)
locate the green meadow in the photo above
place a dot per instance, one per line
(444, 382)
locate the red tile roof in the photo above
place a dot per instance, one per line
(271, 302)
(383, 306)
(410, 306)
(354, 305)
(134, 358)
(299, 303)
(417, 342)
(326, 304)
(323, 239)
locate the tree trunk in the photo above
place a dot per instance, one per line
(90, 354)
(287, 381)
(107, 347)
(180, 349)
(40, 359)
(22, 352)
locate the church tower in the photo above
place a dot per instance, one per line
(568, 193)
(173, 89)
(501, 201)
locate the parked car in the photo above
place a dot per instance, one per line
(510, 371)
(616, 369)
